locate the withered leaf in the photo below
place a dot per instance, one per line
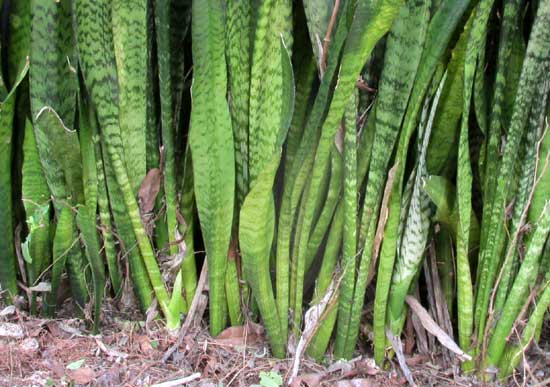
(355, 383)
(248, 334)
(149, 189)
(309, 380)
(83, 375)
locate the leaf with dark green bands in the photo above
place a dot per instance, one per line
(131, 60)
(36, 200)
(211, 140)
(87, 225)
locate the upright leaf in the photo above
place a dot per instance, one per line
(211, 140)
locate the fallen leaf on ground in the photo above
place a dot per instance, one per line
(111, 377)
(29, 345)
(343, 366)
(11, 330)
(417, 359)
(82, 375)
(33, 329)
(367, 366)
(54, 329)
(248, 334)
(76, 364)
(7, 311)
(355, 383)
(110, 351)
(145, 345)
(71, 330)
(307, 380)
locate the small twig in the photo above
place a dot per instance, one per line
(524, 309)
(179, 382)
(312, 323)
(109, 352)
(398, 348)
(191, 315)
(545, 382)
(441, 308)
(384, 214)
(362, 85)
(326, 39)
(51, 110)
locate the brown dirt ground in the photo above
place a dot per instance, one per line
(129, 353)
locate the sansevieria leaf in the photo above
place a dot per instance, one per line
(36, 200)
(257, 219)
(97, 58)
(211, 140)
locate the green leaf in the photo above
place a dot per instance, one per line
(256, 232)
(97, 59)
(53, 88)
(534, 72)
(8, 262)
(87, 225)
(19, 38)
(131, 60)
(238, 41)
(211, 141)
(76, 364)
(318, 14)
(395, 87)
(270, 379)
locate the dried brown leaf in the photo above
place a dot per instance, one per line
(7, 311)
(145, 345)
(312, 319)
(430, 325)
(417, 360)
(398, 348)
(149, 189)
(248, 334)
(11, 330)
(339, 139)
(355, 383)
(307, 380)
(198, 306)
(367, 366)
(83, 375)
(29, 346)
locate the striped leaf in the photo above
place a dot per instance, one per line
(97, 58)
(258, 213)
(318, 14)
(238, 52)
(53, 88)
(526, 276)
(129, 21)
(36, 200)
(19, 38)
(534, 71)
(296, 175)
(211, 140)
(8, 271)
(416, 225)
(389, 111)
(86, 222)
